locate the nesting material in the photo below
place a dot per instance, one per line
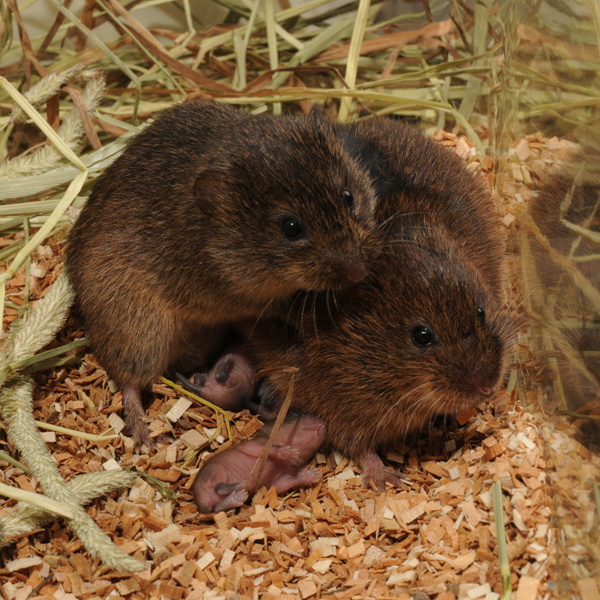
(436, 538)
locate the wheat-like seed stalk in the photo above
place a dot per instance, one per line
(16, 408)
(85, 488)
(44, 89)
(25, 338)
(71, 130)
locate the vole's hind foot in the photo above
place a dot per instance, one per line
(223, 489)
(374, 470)
(287, 455)
(141, 435)
(234, 500)
(163, 438)
(286, 482)
(134, 415)
(309, 476)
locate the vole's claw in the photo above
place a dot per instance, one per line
(374, 470)
(196, 386)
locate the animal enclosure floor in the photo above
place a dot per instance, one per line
(336, 539)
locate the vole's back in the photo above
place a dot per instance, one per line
(414, 175)
(210, 217)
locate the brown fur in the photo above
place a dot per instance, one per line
(182, 236)
(416, 176)
(359, 369)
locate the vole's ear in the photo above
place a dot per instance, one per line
(210, 186)
(318, 116)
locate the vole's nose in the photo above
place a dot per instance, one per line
(350, 267)
(356, 272)
(487, 390)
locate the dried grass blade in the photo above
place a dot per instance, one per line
(217, 409)
(74, 433)
(150, 42)
(481, 16)
(593, 236)
(501, 537)
(390, 40)
(239, 47)
(283, 410)
(49, 354)
(282, 15)
(98, 42)
(322, 40)
(38, 500)
(358, 34)
(272, 43)
(588, 289)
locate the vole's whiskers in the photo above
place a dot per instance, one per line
(397, 215)
(256, 321)
(301, 327)
(314, 317)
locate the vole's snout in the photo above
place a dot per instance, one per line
(351, 269)
(486, 384)
(487, 390)
(356, 272)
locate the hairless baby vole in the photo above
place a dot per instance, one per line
(230, 477)
(211, 216)
(426, 333)
(230, 384)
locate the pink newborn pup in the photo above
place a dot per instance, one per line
(221, 483)
(229, 383)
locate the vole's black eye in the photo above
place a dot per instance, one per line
(422, 336)
(292, 228)
(481, 315)
(348, 198)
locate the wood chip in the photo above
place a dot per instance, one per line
(307, 588)
(23, 563)
(434, 468)
(414, 513)
(206, 560)
(178, 409)
(494, 451)
(588, 589)
(116, 423)
(194, 439)
(464, 561)
(528, 588)
(111, 465)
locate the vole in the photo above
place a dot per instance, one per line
(227, 479)
(212, 216)
(425, 333)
